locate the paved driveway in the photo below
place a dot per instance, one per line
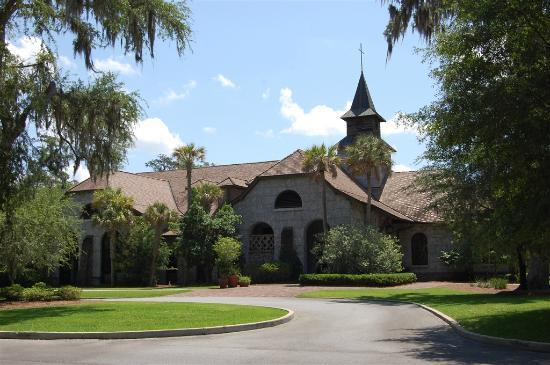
(322, 332)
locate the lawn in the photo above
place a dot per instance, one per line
(509, 316)
(126, 316)
(129, 293)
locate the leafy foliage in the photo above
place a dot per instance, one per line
(487, 133)
(162, 163)
(358, 279)
(43, 235)
(368, 156)
(199, 232)
(350, 249)
(186, 157)
(271, 272)
(228, 251)
(206, 195)
(113, 212)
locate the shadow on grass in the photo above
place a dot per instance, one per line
(14, 316)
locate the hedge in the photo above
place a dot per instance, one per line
(39, 292)
(358, 280)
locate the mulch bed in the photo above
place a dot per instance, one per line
(55, 303)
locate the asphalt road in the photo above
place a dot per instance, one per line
(322, 332)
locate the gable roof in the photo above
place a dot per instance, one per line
(402, 194)
(144, 190)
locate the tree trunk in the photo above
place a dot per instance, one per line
(537, 276)
(189, 189)
(522, 268)
(154, 257)
(369, 192)
(112, 237)
(324, 198)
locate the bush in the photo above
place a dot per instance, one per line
(38, 292)
(245, 280)
(68, 293)
(358, 280)
(350, 249)
(13, 292)
(228, 251)
(272, 272)
(494, 282)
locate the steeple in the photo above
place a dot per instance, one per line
(362, 118)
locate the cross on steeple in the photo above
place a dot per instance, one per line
(362, 53)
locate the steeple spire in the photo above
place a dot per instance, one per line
(362, 104)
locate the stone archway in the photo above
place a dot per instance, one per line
(86, 259)
(105, 260)
(261, 244)
(312, 230)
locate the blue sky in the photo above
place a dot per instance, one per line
(265, 78)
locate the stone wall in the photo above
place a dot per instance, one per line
(259, 206)
(439, 239)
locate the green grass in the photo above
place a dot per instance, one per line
(129, 293)
(126, 316)
(509, 316)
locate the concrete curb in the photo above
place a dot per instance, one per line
(147, 334)
(514, 343)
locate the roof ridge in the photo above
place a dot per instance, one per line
(281, 160)
(138, 174)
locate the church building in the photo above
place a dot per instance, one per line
(280, 203)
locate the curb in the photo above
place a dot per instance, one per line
(147, 334)
(514, 343)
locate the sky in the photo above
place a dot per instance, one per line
(262, 79)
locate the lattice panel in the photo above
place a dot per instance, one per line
(261, 248)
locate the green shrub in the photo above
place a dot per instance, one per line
(494, 282)
(271, 272)
(13, 292)
(39, 292)
(358, 279)
(68, 293)
(227, 251)
(351, 249)
(245, 280)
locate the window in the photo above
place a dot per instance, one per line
(87, 212)
(419, 249)
(288, 199)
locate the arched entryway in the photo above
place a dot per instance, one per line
(105, 260)
(86, 258)
(261, 244)
(312, 232)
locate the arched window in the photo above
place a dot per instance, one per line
(261, 246)
(288, 199)
(419, 249)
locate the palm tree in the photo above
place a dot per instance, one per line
(158, 215)
(369, 155)
(317, 161)
(186, 157)
(113, 212)
(206, 194)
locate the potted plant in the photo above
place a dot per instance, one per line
(227, 251)
(244, 281)
(233, 280)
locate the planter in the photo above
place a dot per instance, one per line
(233, 281)
(223, 282)
(243, 284)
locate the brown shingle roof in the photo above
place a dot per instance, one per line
(401, 193)
(144, 190)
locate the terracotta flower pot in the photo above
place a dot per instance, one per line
(223, 282)
(243, 284)
(233, 281)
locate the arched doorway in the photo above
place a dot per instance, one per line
(261, 244)
(105, 260)
(86, 259)
(312, 232)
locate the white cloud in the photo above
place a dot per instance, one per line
(172, 95)
(397, 124)
(266, 93)
(26, 49)
(81, 173)
(321, 120)
(113, 65)
(153, 135)
(266, 134)
(224, 81)
(209, 130)
(401, 168)
(67, 62)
